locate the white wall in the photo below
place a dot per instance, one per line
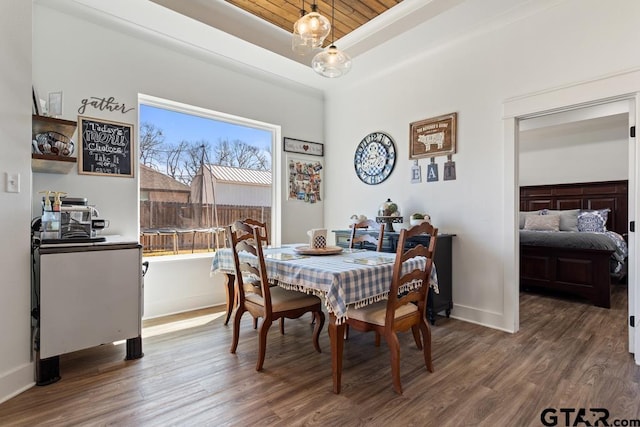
(582, 151)
(177, 284)
(473, 76)
(16, 369)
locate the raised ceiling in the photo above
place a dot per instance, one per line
(218, 30)
(360, 25)
(348, 14)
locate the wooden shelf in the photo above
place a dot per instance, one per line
(41, 124)
(49, 163)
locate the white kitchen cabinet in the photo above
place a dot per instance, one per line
(84, 296)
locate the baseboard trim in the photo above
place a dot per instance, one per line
(14, 382)
(174, 306)
(489, 319)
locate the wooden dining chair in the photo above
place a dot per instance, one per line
(260, 299)
(375, 237)
(263, 228)
(406, 304)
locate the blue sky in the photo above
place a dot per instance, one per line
(177, 127)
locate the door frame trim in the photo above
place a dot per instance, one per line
(614, 87)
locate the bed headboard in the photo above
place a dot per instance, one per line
(586, 195)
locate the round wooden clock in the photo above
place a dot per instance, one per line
(375, 158)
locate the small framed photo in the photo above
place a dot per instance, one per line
(433, 137)
(55, 104)
(303, 147)
(305, 180)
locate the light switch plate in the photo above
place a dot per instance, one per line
(13, 182)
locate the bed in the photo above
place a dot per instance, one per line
(572, 238)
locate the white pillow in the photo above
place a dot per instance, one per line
(524, 215)
(542, 223)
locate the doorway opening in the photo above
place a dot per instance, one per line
(620, 87)
(574, 166)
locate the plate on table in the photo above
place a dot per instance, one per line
(375, 260)
(328, 250)
(284, 256)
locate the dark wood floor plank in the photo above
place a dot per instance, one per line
(567, 354)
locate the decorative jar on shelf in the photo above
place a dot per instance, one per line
(419, 218)
(388, 208)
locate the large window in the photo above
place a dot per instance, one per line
(199, 171)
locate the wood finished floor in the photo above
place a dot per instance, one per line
(567, 355)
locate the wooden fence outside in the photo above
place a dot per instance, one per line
(171, 227)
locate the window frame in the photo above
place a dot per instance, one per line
(276, 150)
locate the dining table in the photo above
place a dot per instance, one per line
(344, 278)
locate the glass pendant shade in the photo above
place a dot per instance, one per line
(331, 62)
(313, 28)
(301, 46)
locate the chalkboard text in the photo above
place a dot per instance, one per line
(106, 147)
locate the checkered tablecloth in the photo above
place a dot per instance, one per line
(341, 283)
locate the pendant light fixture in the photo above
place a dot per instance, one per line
(311, 29)
(299, 44)
(331, 62)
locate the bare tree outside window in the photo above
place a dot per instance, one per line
(240, 154)
(151, 143)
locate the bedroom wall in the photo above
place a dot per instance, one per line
(580, 151)
(472, 75)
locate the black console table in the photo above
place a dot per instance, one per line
(442, 301)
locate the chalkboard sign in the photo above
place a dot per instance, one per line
(106, 148)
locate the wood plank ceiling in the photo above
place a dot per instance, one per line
(349, 14)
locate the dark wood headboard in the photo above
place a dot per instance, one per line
(586, 195)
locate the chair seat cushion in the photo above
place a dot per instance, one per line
(283, 300)
(375, 313)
